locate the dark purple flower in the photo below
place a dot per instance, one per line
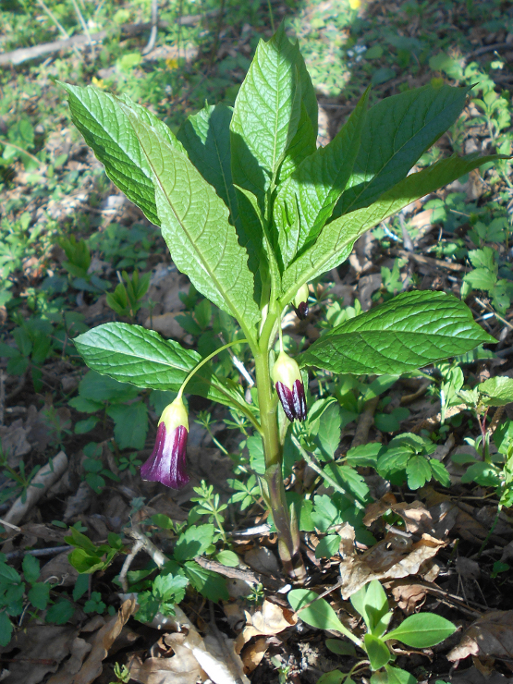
(167, 463)
(289, 386)
(300, 303)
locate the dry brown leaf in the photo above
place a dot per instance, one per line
(378, 508)
(408, 595)
(60, 569)
(270, 620)
(181, 668)
(39, 649)
(490, 636)
(393, 558)
(79, 649)
(416, 516)
(253, 653)
(262, 560)
(102, 641)
(14, 442)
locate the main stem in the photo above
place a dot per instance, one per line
(273, 488)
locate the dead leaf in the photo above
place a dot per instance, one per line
(490, 636)
(79, 649)
(60, 569)
(14, 442)
(271, 619)
(415, 515)
(38, 650)
(262, 560)
(102, 641)
(407, 595)
(253, 653)
(394, 557)
(167, 325)
(181, 668)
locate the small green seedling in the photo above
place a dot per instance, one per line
(417, 631)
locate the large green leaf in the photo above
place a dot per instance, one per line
(130, 353)
(336, 239)
(422, 630)
(397, 132)
(195, 226)
(266, 114)
(408, 332)
(107, 130)
(206, 137)
(306, 201)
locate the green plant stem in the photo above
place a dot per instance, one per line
(324, 475)
(196, 368)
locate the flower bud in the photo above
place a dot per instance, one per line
(289, 387)
(167, 462)
(300, 303)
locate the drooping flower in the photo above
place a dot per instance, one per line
(300, 303)
(289, 387)
(167, 463)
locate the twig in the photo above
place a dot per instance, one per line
(54, 19)
(81, 21)
(490, 308)
(2, 397)
(79, 41)
(364, 423)
(429, 261)
(154, 27)
(7, 143)
(156, 554)
(487, 48)
(128, 562)
(46, 477)
(52, 551)
(240, 573)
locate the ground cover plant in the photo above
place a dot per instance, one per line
(339, 536)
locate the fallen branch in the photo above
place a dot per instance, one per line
(41, 482)
(127, 30)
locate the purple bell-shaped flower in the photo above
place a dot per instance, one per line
(289, 386)
(167, 463)
(300, 303)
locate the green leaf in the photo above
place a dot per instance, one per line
(499, 391)
(484, 474)
(440, 472)
(31, 568)
(266, 114)
(422, 630)
(81, 586)
(228, 558)
(306, 201)
(130, 424)
(106, 128)
(206, 137)
(349, 479)
(319, 614)
(345, 648)
(208, 583)
(481, 279)
(193, 542)
(335, 241)
(398, 676)
(39, 595)
(418, 472)
(98, 389)
(203, 244)
(5, 629)
(333, 677)
(410, 331)
(60, 612)
(372, 604)
(142, 357)
(328, 546)
(397, 131)
(377, 651)
(169, 588)
(8, 575)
